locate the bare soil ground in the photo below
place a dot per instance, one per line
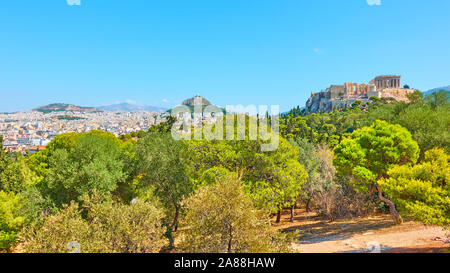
(376, 233)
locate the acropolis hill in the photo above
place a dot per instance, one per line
(342, 96)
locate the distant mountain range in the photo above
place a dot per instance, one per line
(60, 107)
(129, 107)
(429, 92)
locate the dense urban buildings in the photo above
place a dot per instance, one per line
(27, 132)
(30, 131)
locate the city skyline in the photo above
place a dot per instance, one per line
(234, 52)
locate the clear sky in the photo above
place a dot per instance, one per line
(159, 52)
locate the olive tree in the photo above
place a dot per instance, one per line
(160, 163)
(96, 162)
(221, 218)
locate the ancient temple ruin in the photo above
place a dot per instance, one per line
(343, 96)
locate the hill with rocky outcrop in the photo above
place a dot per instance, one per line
(62, 107)
(197, 100)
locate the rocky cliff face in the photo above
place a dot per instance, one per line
(328, 100)
(343, 96)
(321, 102)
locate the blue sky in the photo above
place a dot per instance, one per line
(230, 51)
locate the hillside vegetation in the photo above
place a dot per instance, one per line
(147, 192)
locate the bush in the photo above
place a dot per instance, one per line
(107, 228)
(10, 221)
(221, 218)
(423, 191)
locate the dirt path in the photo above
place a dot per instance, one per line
(369, 234)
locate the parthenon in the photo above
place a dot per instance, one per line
(342, 96)
(387, 81)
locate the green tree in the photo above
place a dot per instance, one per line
(39, 162)
(427, 124)
(96, 162)
(34, 207)
(273, 179)
(415, 97)
(308, 158)
(422, 191)
(210, 176)
(369, 153)
(161, 163)
(221, 218)
(10, 220)
(2, 150)
(16, 176)
(438, 99)
(163, 127)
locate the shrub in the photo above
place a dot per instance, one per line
(107, 228)
(222, 218)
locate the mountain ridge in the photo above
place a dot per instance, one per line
(431, 91)
(61, 107)
(130, 107)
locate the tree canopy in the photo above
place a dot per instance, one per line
(221, 218)
(423, 190)
(369, 153)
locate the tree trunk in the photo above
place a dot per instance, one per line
(279, 216)
(292, 213)
(230, 240)
(175, 219)
(308, 209)
(395, 214)
(170, 237)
